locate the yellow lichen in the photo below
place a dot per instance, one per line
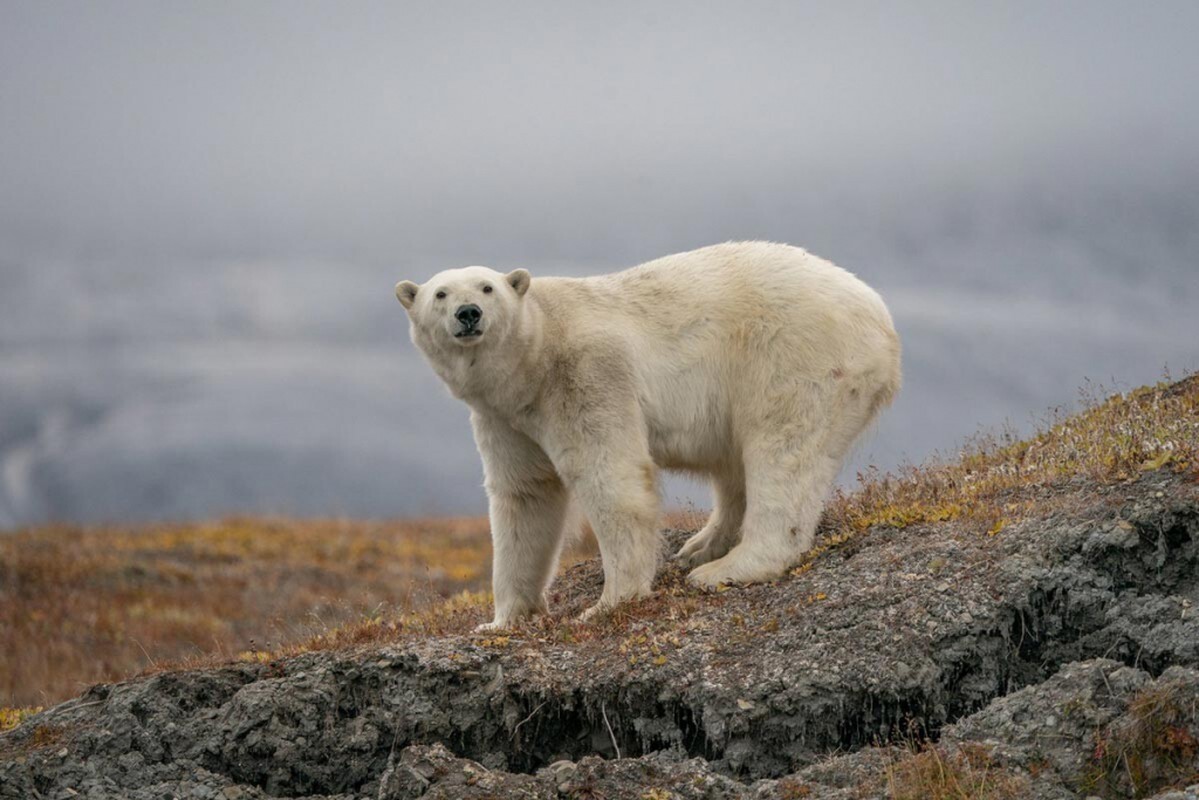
(12, 717)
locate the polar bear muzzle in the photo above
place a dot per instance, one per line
(468, 317)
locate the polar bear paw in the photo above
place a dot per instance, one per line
(598, 608)
(707, 545)
(491, 626)
(709, 576)
(733, 568)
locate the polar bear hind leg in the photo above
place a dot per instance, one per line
(789, 470)
(723, 529)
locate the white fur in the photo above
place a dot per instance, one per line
(752, 363)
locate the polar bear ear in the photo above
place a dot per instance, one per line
(519, 279)
(406, 292)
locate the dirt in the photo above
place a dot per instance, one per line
(1028, 644)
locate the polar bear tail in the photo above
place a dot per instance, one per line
(892, 378)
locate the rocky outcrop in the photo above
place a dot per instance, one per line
(1032, 649)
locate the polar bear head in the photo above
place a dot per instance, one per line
(464, 308)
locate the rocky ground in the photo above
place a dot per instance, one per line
(1053, 656)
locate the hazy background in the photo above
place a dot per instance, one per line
(204, 208)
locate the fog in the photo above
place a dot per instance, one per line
(204, 208)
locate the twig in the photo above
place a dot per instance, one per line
(1106, 683)
(153, 663)
(395, 738)
(611, 735)
(61, 710)
(526, 719)
(1128, 769)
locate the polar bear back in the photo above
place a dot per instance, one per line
(718, 331)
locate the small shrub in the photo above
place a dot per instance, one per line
(968, 773)
(1154, 746)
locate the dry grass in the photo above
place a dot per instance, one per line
(1155, 746)
(969, 773)
(80, 605)
(996, 480)
(41, 737)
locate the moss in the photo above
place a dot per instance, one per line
(657, 794)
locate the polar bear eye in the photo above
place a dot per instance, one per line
(487, 289)
(440, 295)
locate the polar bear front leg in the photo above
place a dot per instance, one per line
(526, 537)
(621, 502)
(597, 438)
(612, 477)
(528, 508)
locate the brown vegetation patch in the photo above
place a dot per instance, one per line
(1155, 746)
(84, 605)
(40, 737)
(999, 479)
(967, 773)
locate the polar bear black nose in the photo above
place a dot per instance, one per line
(469, 315)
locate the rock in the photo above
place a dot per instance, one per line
(1189, 793)
(562, 772)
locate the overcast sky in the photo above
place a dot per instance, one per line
(375, 129)
(204, 206)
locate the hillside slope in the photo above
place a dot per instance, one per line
(1018, 622)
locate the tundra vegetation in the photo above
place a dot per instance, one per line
(82, 605)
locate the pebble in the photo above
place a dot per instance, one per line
(563, 771)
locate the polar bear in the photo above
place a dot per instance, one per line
(753, 364)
